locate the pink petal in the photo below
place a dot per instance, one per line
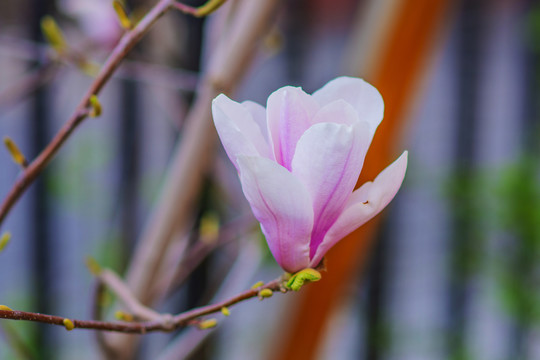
(237, 129)
(337, 112)
(328, 160)
(282, 205)
(364, 204)
(365, 98)
(290, 113)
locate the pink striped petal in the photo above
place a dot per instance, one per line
(290, 113)
(364, 97)
(282, 205)
(237, 129)
(364, 204)
(328, 161)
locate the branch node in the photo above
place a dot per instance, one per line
(167, 321)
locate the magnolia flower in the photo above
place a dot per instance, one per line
(299, 160)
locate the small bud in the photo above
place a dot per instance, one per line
(93, 266)
(53, 34)
(208, 324)
(265, 293)
(273, 42)
(104, 299)
(68, 324)
(96, 106)
(225, 311)
(88, 67)
(124, 316)
(5, 308)
(300, 278)
(209, 228)
(15, 152)
(4, 240)
(208, 8)
(257, 285)
(123, 17)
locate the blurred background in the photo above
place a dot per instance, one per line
(451, 270)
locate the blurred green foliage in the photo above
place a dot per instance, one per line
(502, 208)
(518, 215)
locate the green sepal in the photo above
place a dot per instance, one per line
(298, 279)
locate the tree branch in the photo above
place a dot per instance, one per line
(120, 289)
(166, 324)
(126, 43)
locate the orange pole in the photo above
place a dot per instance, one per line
(401, 65)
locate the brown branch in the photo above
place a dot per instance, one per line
(167, 324)
(126, 43)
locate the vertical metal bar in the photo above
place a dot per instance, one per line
(39, 218)
(531, 107)
(129, 166)
(296, 29)
(376, 292)
(199, 279)
(464, 243)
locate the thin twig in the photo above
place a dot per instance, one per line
(166, 324)
(209, 7)
(186, 9)
(200, 250)
(248, 260)
(97, 311)
(125, 44)
(29, 84)
(229, 61)
(120, 289)
(20, 348)
(144, 72)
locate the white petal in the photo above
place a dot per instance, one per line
(237, 130)
(364, 204)
(258, 112)
(364, 97)
(290, 113)
(282, 205)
